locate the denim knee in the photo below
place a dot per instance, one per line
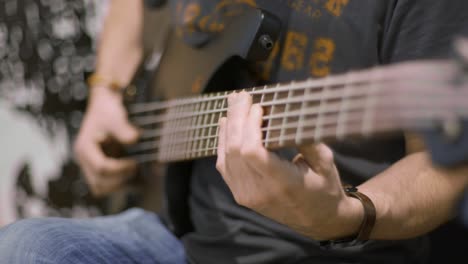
(134, 236)
(43, 241)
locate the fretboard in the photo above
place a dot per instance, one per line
(295, 113)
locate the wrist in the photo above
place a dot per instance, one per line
(363, 227)
(99, 90)
(350, 218)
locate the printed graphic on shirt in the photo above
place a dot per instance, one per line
(322, 55)
(302, 50)
(296, 45)
(293, 54)
(316, 8)
(200, 16)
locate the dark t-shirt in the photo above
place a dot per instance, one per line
(322, 37)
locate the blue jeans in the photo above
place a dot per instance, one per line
(134, 236)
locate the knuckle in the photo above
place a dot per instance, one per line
(241, 199)
(252, 202)
(249, 152)
(327, 154)
(95, 190)
(285, 190)
(233, 149)
(244, 95)
(231, 97)
(100, 168)
(220, 166)
(78, 146)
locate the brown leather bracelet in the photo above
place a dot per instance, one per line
(369, 213)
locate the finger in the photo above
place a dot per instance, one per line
(238, 110)
(220, 162)
(124, 132)
(102, 185)
(108, 185)
(461, 45)
(252, 148)
(99, 164)
(299, 161)
(253, 127)
(319, 157)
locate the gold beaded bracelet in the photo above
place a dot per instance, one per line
(96, 79)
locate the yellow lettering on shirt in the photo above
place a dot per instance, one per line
(324, 49)
(190, 14)
(294, 49)
(335, 7)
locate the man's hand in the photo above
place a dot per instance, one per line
(305, 194)
(105, 119)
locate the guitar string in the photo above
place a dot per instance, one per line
(261, 92)
(414, 109)
(338, 82)
(329, 121)
(329, 131)
(356, 105)
(309, 111)
(267, 89)
(181, 102)
(352, 127)
(334, 95)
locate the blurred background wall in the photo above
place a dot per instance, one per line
(46, 52)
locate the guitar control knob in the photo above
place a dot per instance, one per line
(266, 42)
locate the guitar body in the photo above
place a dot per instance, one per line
(187, 70)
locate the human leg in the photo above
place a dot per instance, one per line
(134, 236)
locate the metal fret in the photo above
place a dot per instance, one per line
(200, 122)
(210, 120)
(220, 105)
(262, 98)
(285, 118)
(185, 133)
(166, 135)
(321, 111)
(194, 108)
(300, 126)
(193, 132)
(371, 102)
(275, 96)
(205, 129)
(344, 108)
(175, 148)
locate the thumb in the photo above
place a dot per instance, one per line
(124, 132)
(319, 157)
(461, 45)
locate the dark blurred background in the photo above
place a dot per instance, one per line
(47, 50)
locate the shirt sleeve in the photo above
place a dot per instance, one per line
(422, 29)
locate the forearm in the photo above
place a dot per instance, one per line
(120, 43)
(413, 197)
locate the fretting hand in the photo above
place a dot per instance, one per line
(305, 194)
